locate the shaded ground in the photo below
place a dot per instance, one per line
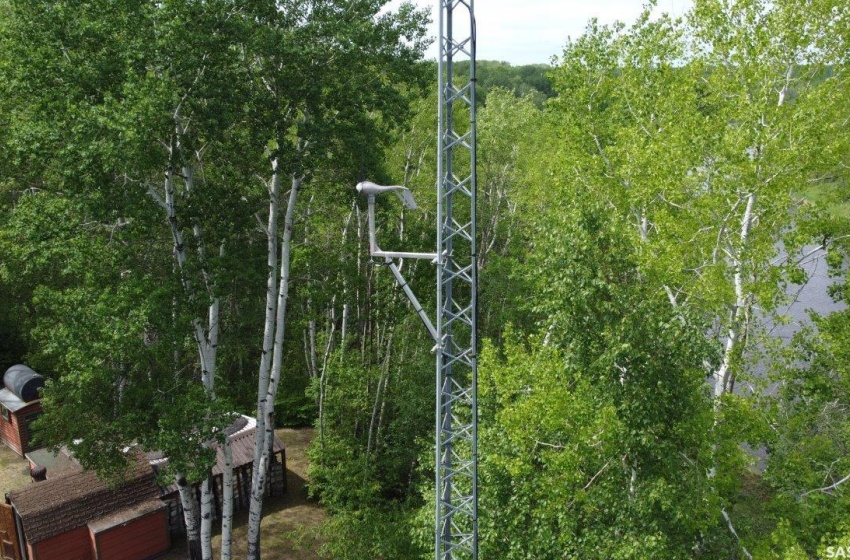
(289, 522)
(14, 471)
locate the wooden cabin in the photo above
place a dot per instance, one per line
(70, 514)
(77, 516)
(20, 405)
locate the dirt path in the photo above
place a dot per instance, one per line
(289, 523)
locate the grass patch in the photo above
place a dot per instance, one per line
(834, 196)
(14, 471)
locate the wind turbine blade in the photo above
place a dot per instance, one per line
(406, 198)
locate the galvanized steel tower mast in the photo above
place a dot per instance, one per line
(455, 333)
(457, 279)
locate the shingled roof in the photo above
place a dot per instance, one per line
(66, 502)
(242, 449)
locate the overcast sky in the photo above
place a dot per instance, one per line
(533, 31)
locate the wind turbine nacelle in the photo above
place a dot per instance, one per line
(370, 189)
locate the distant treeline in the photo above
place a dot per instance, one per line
(528, 79)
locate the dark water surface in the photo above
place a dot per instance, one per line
(812, 296)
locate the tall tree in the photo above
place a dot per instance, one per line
(168, 111)
(702, 135)
(596, 438)
(138, 99)
(355, 60)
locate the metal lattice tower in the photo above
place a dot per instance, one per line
(457, 277)
(455, 333)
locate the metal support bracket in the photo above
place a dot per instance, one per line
(371, 189)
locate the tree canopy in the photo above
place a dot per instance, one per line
(181, 241)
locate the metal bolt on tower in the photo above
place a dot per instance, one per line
(455, 333)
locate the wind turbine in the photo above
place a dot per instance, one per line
(403, 193)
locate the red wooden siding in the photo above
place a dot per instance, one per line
(10, 548)
(13, 432)
(140, 538)
(9, 433)
(73, 545)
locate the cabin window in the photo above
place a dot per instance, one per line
(7, 416)
(28, 427)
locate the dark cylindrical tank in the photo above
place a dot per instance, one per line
(23, 381)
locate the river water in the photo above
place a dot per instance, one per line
(811, 296)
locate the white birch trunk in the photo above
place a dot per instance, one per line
(379, 395)
(384, 400)
(208, 350)
(227, 502)
(325, 364)
(323, 380)
(190, 516)
(723, 380)
(176, 233)
(206, 340)
(206, 518)
(268, 331)
(313, 358)
(344, 329)
(265, 403)
(310, 334)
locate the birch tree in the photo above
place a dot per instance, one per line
(586, 434)
(706, 159)
(352, 56)
(702, 136)
(154, 113)
(169, 108)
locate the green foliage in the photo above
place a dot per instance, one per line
(100, 102)
(107, 336)
(384, 396)
(616, 239)
(782, 545)
(370, 533)
(525, 81)
(635, 204)
(807, 464)
(596, 442)
(507, 141)
(365, 461)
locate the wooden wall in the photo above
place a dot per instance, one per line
(14, 433)
(71, 545)
(10, 548)
(140, 538)
(9, 433)
(144, 537)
